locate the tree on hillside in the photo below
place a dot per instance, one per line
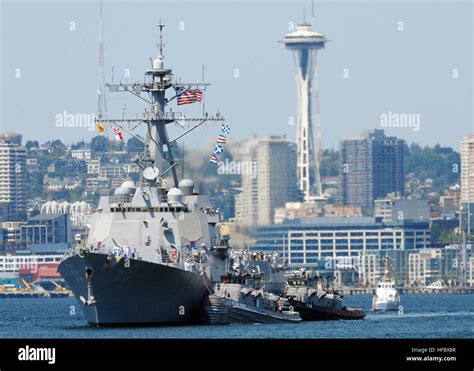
(100, 143)
(78, 145)
(134, 145)
(442, 164)
(32, 144)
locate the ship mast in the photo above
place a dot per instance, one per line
(385, 268)
(159, 148)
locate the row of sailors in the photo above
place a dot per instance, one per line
(124, 252)
(121, 251)
(243, 257)
(127, 252)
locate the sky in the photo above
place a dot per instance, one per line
(399, 57)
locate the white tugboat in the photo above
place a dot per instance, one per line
(386, 295)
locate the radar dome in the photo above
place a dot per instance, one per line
(158, 63)
(186, 186)
(127, 188)
(174, 194)
(128, 184)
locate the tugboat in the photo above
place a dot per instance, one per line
(242, 299)
(386, 296)
(250, 291)
(318, 302)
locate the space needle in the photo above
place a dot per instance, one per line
(305, 42)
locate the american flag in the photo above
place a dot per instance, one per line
(190, 96)
(179, 90)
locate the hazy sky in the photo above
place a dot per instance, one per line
(47, 68)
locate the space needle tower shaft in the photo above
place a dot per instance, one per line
(304, 43)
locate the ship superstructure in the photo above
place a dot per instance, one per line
(154, 248)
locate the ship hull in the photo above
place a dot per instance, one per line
(311, 312)
(245, 315)
(134, 292)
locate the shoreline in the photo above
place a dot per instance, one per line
(411, 291)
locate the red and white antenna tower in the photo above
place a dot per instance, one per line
(101, 94)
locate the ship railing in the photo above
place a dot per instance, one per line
(166, 259)
(73, 251)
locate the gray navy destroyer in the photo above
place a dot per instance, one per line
(154, 249)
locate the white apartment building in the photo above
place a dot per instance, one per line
(467, 169)
(12, 179)
(81, 154)
(272, 185)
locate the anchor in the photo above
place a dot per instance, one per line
(90, 298)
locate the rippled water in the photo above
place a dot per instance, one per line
(425, 316)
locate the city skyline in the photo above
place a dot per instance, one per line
(237, 175)
(373, 78)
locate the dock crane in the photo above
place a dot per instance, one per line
(26, 284)
(58, 287)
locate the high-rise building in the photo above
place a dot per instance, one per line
(357, 173)
(12, 178)
(388, 164)
(11, 137)
(373, 166)
(467, 184)
(304, 43)
(270, 184)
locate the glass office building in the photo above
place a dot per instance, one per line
(307, 242)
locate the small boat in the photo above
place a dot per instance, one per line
(242, 299)
(386, 296)
(437, 285)
(316, 301)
